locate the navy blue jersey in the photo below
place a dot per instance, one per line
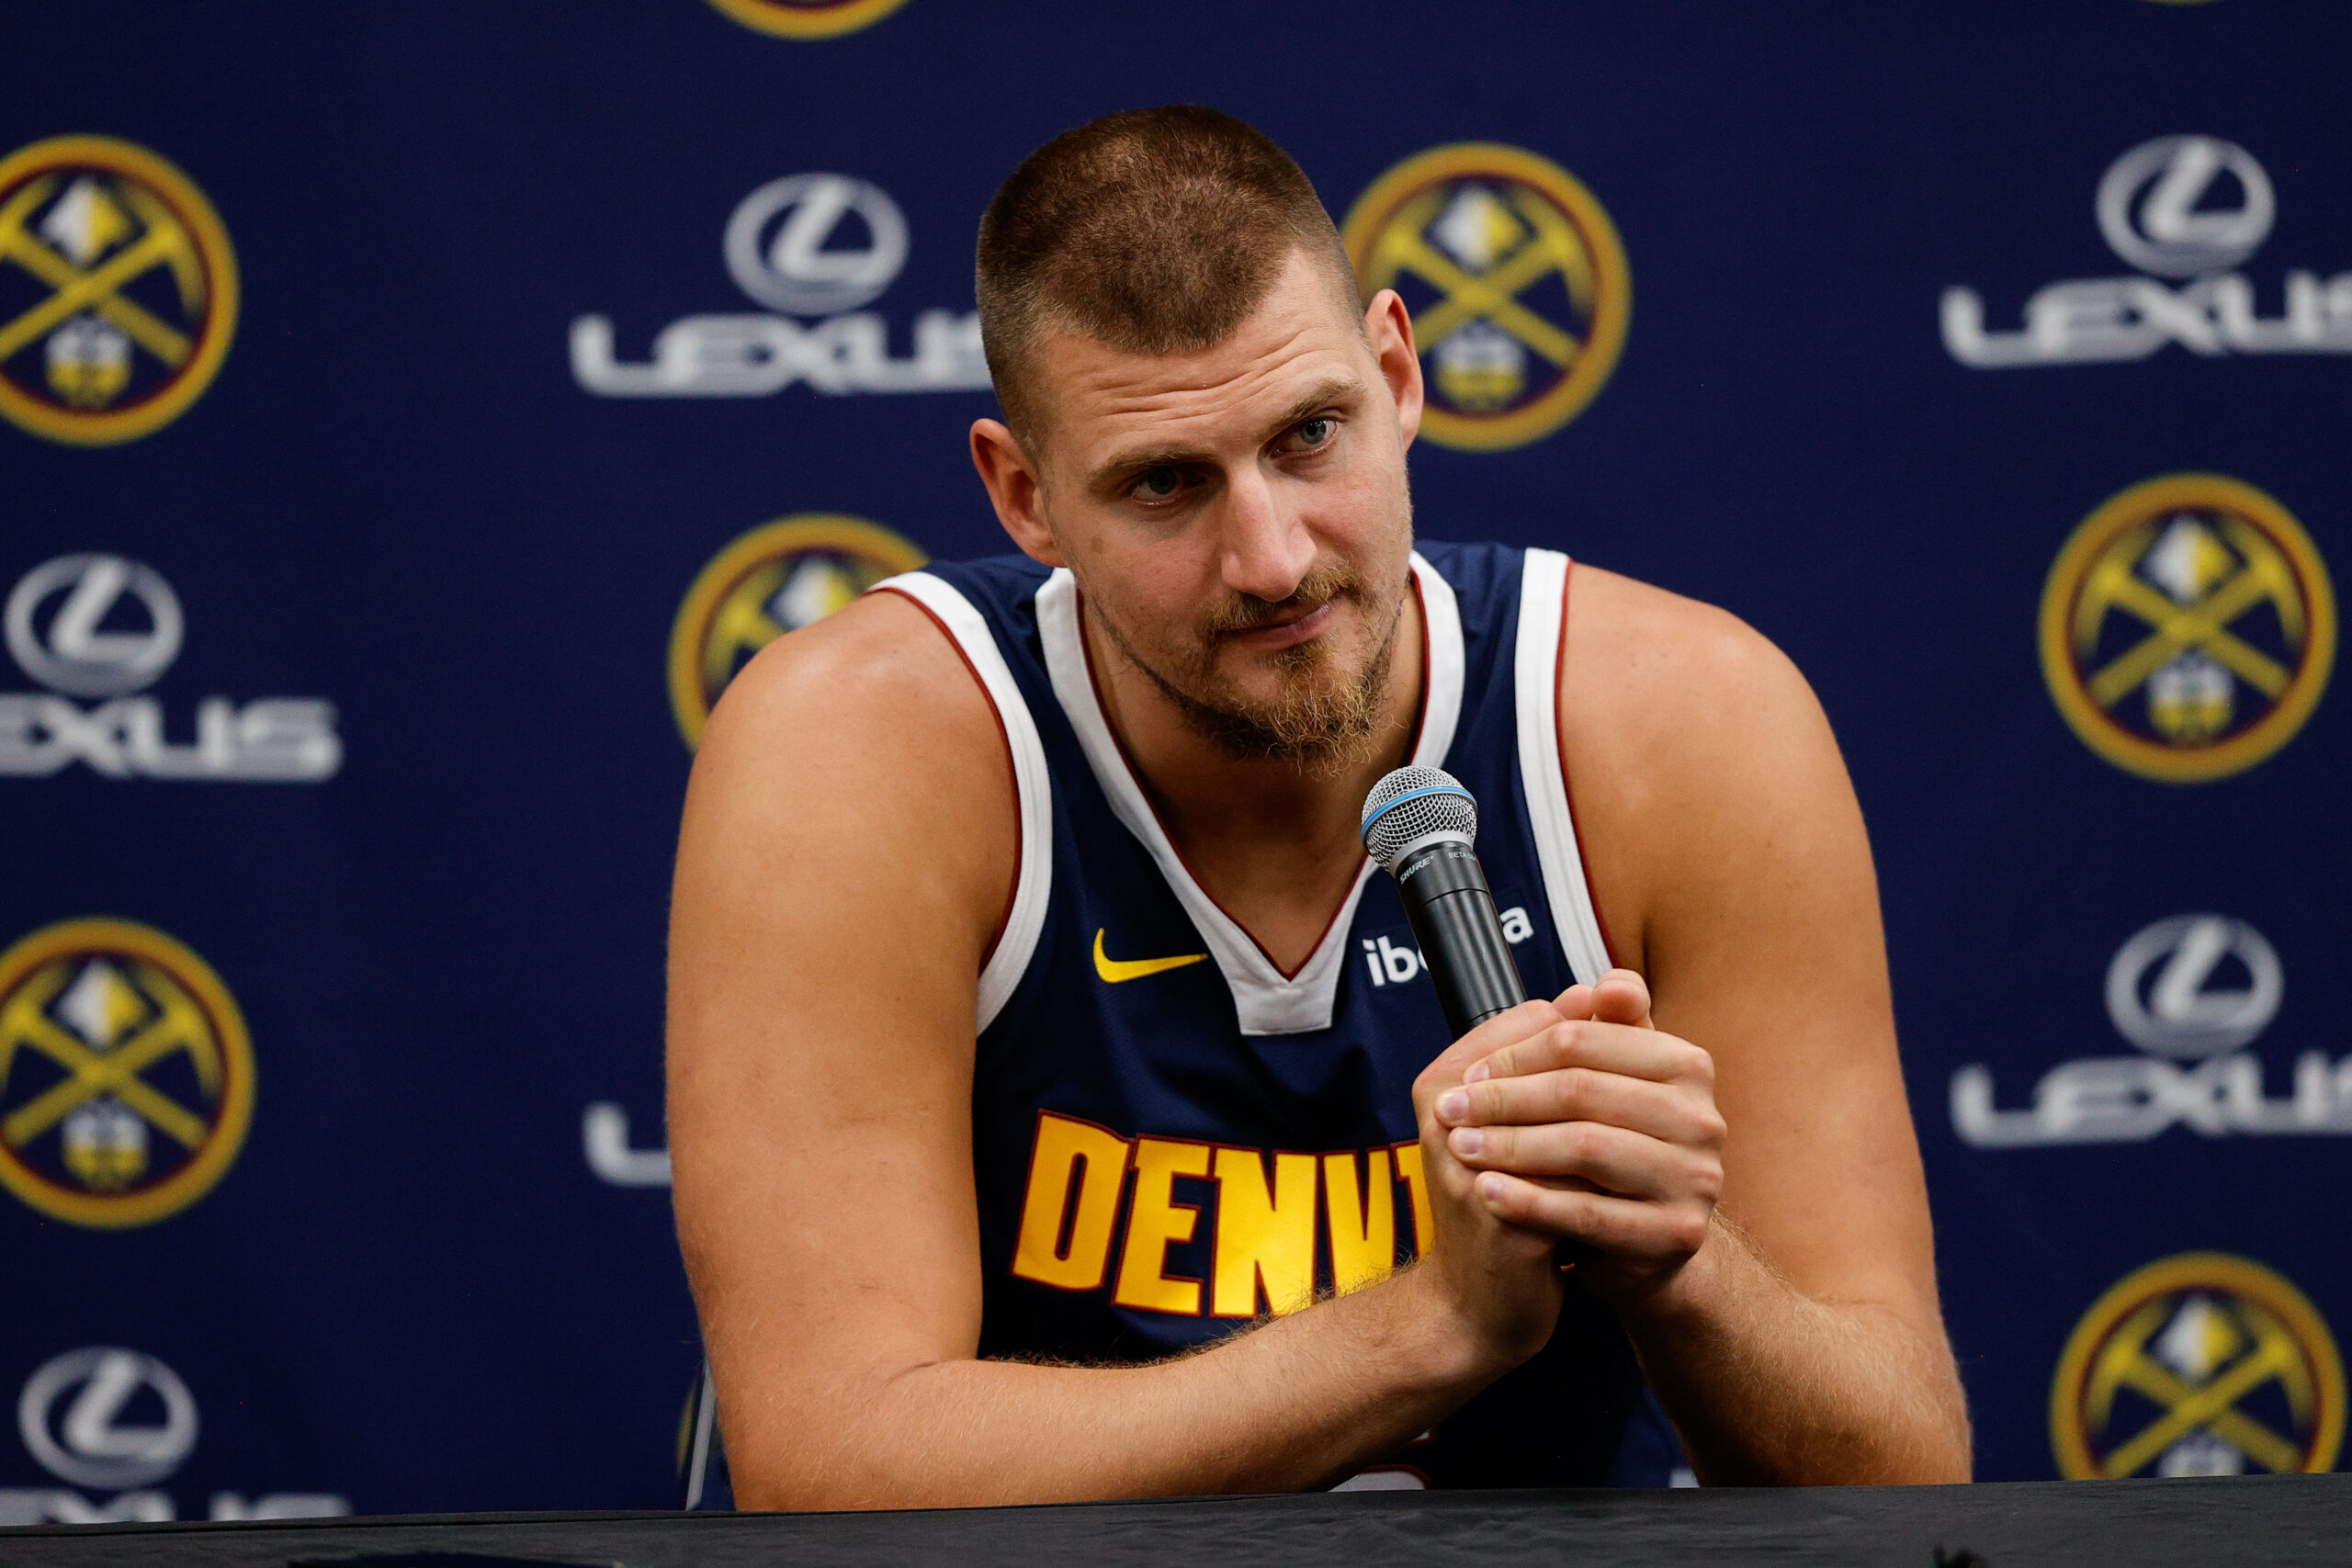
(1171, 1135)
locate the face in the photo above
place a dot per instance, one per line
(1238, 518)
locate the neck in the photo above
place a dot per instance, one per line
(1274, 841)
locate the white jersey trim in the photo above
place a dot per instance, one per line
(1264, 1002)
(1535, 678)
(1032, 885)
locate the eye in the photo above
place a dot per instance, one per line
(1316, 431)
(1158, 484)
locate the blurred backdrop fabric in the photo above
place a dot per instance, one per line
(415, 413)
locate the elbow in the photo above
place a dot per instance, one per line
(1954, 1458)
(836, 1446)
(1948, 1443)
(772, 1484)
(775, 1473)
(1935, 1447)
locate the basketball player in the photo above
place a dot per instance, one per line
(1057, 1105)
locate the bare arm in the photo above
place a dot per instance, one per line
(846, 851)
(1793, 1332)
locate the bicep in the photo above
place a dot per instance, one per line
(1783, 978)
(1760, 929)
(827, 920)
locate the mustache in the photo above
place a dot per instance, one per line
(1325, 581)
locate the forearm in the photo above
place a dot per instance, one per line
(1296, 1402)
(1769, 1386)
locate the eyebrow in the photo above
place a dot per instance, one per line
(1326, 392)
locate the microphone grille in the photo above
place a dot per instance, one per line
(1411, 804)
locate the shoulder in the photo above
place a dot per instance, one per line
(878, 679)
(866, 731)
(1675, 676)
(1695, 749)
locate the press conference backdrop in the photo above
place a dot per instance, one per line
(415, 413)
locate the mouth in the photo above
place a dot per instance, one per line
(1288, 629)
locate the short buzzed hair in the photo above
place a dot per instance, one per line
(1154, 230)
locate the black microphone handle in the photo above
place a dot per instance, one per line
(1453, 919)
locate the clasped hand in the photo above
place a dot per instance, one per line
(1577, 1121)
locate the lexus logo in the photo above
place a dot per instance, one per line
(2167, 992)
(84, 1417)
(93, 644)
(2167, 207)
(788, 248)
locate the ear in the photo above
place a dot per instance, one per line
(1388, 326)
(1013, 489)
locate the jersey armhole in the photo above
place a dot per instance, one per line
(1539, 664)
(1010, 949)
(1568, 779)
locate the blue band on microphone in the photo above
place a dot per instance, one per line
(1413, 795)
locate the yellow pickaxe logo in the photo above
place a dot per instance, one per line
(1517, 282)
(132, 284)
(125, 1075)
(2199, 1364)
(2187, 629)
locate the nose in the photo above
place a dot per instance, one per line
(1265, 549)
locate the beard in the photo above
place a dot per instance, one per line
(1324, 721)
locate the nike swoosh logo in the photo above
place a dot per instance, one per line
(1116, 970)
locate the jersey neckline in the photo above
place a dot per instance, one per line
(1265, 999)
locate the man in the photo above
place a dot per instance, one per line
(1057, 1104)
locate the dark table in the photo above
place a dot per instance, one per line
(2122, 1524)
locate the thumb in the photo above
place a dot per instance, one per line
(1621, 997)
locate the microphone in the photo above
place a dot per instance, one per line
(1419, 824)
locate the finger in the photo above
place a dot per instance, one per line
(1621, 997)
(1678, 1113)
(1611, 1159)
(1623, 1227)
(1639, 1052)
(1575, 1001)
(1497, 1033)
(1572, 1004)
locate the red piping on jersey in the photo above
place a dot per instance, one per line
(1019, 848)
(1420, 717)
(1567, 785)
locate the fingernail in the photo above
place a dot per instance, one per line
(1490, 1187)
(1468, 1141)
(1479, 1073)
(1452, 1105)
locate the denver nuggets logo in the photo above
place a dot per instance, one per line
(117, 291)
(1517, 283)
(773, 580)
(2187, 629)
(2203, 1364)
(807, 19)
(125, 1077)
